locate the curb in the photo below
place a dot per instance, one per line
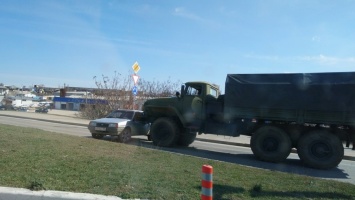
(46, 120)
(9, 193)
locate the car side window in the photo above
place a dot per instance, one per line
(138, 116)
(128, 115)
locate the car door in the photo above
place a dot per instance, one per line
(137, 125)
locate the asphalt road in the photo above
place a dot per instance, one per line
(47, 126)
(345, 172)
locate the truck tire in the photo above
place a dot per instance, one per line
(320, 149)
(164, 132)
(271, 144)
(186, 138)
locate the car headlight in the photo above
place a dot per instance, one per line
(115, 125)
(92, 124)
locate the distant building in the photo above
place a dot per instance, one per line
(68, 103)
(3, 92)
(73, 94)
(68, 98)
(17, 101)
(74, 100)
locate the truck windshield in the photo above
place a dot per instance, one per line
(193, 90)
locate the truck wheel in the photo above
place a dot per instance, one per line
(97, 136)
(186, 138)
(164, 132)
(125, 136)
(320, 149)
(270, 144)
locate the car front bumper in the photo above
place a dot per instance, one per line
(105, 130)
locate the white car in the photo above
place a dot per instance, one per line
(121, 123)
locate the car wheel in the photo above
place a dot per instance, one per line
(125, 136)
(97, 136)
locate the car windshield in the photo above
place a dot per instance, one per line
(121, 114)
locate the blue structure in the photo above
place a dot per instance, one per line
(67, 103)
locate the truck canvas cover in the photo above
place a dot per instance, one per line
(333, 92)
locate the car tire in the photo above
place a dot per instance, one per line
(97, 136)
(125, 136)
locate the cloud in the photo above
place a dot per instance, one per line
(182, 12)
(316, 38)
(320, 59)
(49, 81)
(211, 24)
(328, 60)
(262, 57)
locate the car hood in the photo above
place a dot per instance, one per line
(112, 120)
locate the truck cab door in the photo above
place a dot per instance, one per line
(193, 103)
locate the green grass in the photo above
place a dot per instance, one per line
(36, 159)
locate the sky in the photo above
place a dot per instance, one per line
(68, 42)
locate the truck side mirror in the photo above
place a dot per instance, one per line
(182, 90)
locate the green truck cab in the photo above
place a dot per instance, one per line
(197, 108)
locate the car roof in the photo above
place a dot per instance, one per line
(128, 110)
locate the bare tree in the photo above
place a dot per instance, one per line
(116, 92)
(153, 89)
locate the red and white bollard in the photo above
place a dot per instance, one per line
(207, 184)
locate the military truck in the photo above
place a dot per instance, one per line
(310, 112)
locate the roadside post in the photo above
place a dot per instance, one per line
(135, 78)
(206, 183)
